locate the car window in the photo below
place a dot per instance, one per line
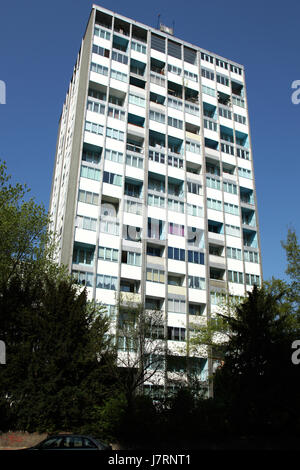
(77, 442)
(68, 443)
(52, 443)
(88, 444)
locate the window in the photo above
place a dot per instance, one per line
(153, 251)
(132, 160)
(95, 107)
(235, 69)
(156, 156)
(191, 76)
(91, 157)
(108, 254)
(244, 173)
(176, 334)
(83, 255)
(175, 161)
(176, 253)
(223, 112)
(87, 223)
(196, 282)
(234, 253)
(208, 91)
(133, 207)
(251, 256)
(229, 187)
(116, 113)
(158, 43)
(111, 178)
(131, 257)
(99, 69)
(115, 134)
(238, 101)
(176, 229)
(135, 46)
(174, 49)
(111, 310)
(137, 100)
(83, 278)
(192, 147)
(242, 153)
(122, 77)
(176, 206)
(101, 33)
(217, 298)
(156, 201)
(113, 156)
(176, 305)
(88, 197)
(252, 279)
(222, 80)
(158, 117)
(233, 230)
(236, 277)
(100, 51)
(239, 118)
(108, 226)
(207, 57)
(231, 208)
(175, 122)
(194, 188)
(207, 74)
(118, 57)
(155, 275)
(157, 79)
(226, 148)
(211, 125)
(213, 183)
(197, 211)
(174, 69)
(106, 282)
(156, 229)
(192, 109)
(214, 204)
(94, 128)
(221, 63)
(91, 173)
(195, 257)
(174, 103)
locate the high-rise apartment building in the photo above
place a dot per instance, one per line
(153, 189)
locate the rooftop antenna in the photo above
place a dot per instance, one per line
(158, 21)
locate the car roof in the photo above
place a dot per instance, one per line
(69, 435)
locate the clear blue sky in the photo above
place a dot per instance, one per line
(39, 42)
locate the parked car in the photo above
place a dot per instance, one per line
(71, 442)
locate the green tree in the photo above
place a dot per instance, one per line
(58, 350)
(258, 381)
(25, 240)
(292, 249)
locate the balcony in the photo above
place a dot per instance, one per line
(157, 66)
(250, 238)
(248, 217)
